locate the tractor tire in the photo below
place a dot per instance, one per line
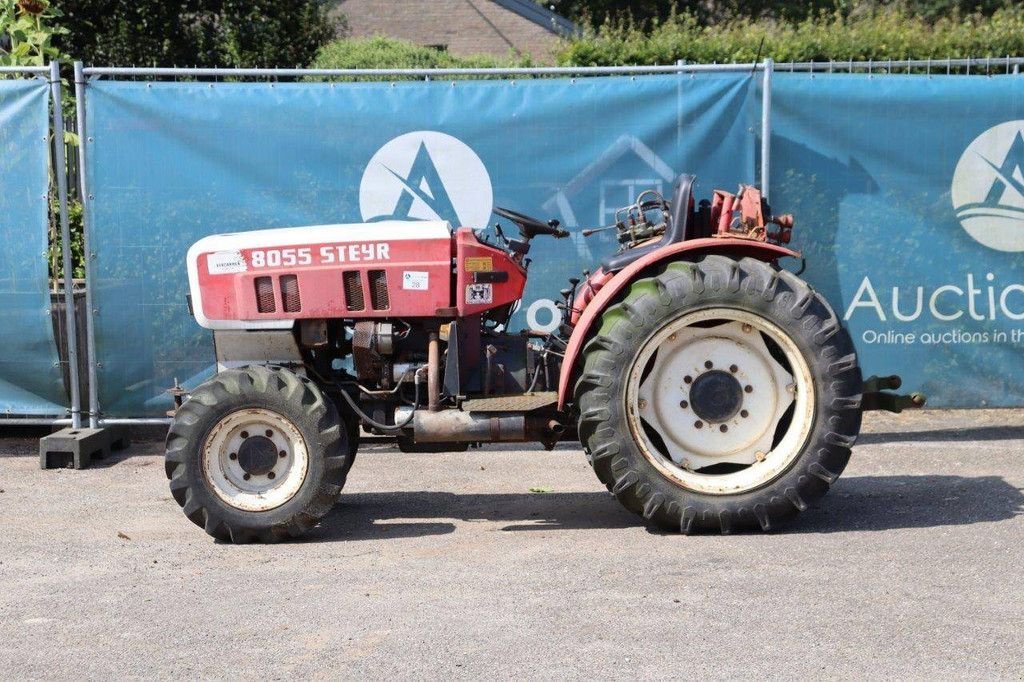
(257, 454)
(719, 395)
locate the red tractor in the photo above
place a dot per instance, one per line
(710, 388)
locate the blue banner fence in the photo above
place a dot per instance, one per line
(907, 190)
(31, 378)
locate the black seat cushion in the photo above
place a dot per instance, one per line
(676, 230)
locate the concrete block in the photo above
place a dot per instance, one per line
(76, 448)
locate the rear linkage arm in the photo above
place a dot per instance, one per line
(877, 397)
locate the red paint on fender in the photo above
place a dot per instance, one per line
(733, 247)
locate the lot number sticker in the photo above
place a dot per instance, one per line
(415, 281)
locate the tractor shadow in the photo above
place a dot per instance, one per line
(953, 435)
(855, 504)
(873, 503)
(365, 516)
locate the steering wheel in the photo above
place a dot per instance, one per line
(531, 227)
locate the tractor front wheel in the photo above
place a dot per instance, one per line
(719, 395)
(257, 454)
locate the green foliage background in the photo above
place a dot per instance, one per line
(879, 35)
(242, 33)
(647, 12)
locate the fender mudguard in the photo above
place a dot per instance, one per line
(685, 251)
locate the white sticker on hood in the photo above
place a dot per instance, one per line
(226, 262)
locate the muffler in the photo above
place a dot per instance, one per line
(448, 426)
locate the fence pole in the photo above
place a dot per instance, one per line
(766, 125)
(61, 172)
(87, 254)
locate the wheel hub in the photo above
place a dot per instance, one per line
(257, 455)
(255, 459)
(708, 400)
(716, 396)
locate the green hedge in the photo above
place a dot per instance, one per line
(880, 35)
(387, 53)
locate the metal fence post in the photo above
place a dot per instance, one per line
(61, 172)
(90, 283)
(766, 125)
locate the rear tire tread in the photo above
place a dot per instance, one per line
(756, 286)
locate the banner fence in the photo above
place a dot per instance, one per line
(908, 192)
(31, 381)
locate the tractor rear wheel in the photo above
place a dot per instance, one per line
(257, 454)
(719, 395)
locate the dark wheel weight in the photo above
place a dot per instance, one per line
(266, 417)
(749, 290)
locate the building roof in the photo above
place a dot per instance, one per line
(540, 15)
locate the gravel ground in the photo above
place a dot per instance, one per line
(446, 565)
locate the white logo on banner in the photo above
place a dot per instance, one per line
(426, 175)
(988, 187)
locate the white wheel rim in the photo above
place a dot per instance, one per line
(258, 482)
(761, 437)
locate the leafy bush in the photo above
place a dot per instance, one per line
(232, 33)
(387, 53)
(648, 12)
(877, 35)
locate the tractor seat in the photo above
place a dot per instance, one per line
(676, 231)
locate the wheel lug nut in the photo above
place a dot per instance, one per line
(708, 364)
(688, 379)
(282, 454)
(747, 328)
(748, 389)
(744, 414)
(733, 368)
(269, 433)
(233, 455)
(683, 404)
(271, 475)
(698, 424)
(723, 428)
(244, 434)
(246, 477)
(643, 404)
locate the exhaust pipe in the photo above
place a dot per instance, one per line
(456, 426)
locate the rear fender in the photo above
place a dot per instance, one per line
(684, 251)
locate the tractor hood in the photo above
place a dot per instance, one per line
(266, 279)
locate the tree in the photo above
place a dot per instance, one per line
(234, 33)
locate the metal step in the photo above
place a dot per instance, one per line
(520, 402)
